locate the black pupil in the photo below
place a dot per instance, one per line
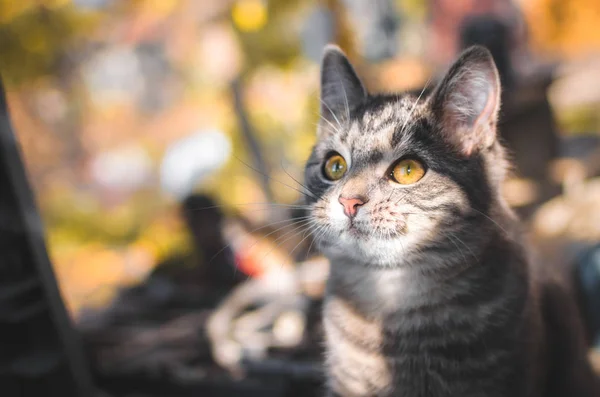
(337, 166)
(408, 169)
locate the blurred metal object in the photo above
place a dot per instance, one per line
(236, 335)
(40, 352)
(264, 313)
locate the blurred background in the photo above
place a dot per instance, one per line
(165, 141)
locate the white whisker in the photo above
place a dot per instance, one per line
(410, 114)
(333, 114)
(293, 233)
(276, 180)
(345, 94)
(293, 222)
(336, 130)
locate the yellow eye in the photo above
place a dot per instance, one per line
(407, 172)
(335, 167)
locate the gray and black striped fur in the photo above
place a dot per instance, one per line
(431, 292)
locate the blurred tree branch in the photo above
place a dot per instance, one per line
(258, 158)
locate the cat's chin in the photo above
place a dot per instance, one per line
(360, 247)
(356, 232)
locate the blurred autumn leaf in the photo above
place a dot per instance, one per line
(249, 15)
(265, 32)
(567, 27)
(34, 36)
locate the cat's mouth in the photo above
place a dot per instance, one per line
(353, 230)
(364, 230)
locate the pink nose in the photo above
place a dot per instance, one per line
(351, 205)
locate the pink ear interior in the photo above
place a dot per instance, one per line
(469, 98)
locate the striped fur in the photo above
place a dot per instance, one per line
(431, 293)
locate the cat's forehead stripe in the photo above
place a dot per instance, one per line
(373, 120)
(370, 146)
(397, 113)
(383, 126)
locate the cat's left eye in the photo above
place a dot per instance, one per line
(407, 171)
(335, 167)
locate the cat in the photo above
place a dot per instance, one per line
(431, 292)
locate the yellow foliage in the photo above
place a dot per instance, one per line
(10, 9)
(35, 34)
(161, 7)
(568, 27)
(249, 15)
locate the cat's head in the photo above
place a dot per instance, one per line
(392, 174)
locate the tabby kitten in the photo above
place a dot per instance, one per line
(431, 292)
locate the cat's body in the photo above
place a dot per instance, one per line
(451, 337)
(431, 292)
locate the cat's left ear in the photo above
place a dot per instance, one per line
(341, 89)
(467, 101)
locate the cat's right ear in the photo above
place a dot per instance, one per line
(467, 101)
(341, 89)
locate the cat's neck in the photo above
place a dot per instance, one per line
(456, 265)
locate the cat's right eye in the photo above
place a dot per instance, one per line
(335, 167)
(407, 171)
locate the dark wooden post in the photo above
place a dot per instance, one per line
(40, 352)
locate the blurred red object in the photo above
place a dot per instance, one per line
(255, 253)
(249, 264)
